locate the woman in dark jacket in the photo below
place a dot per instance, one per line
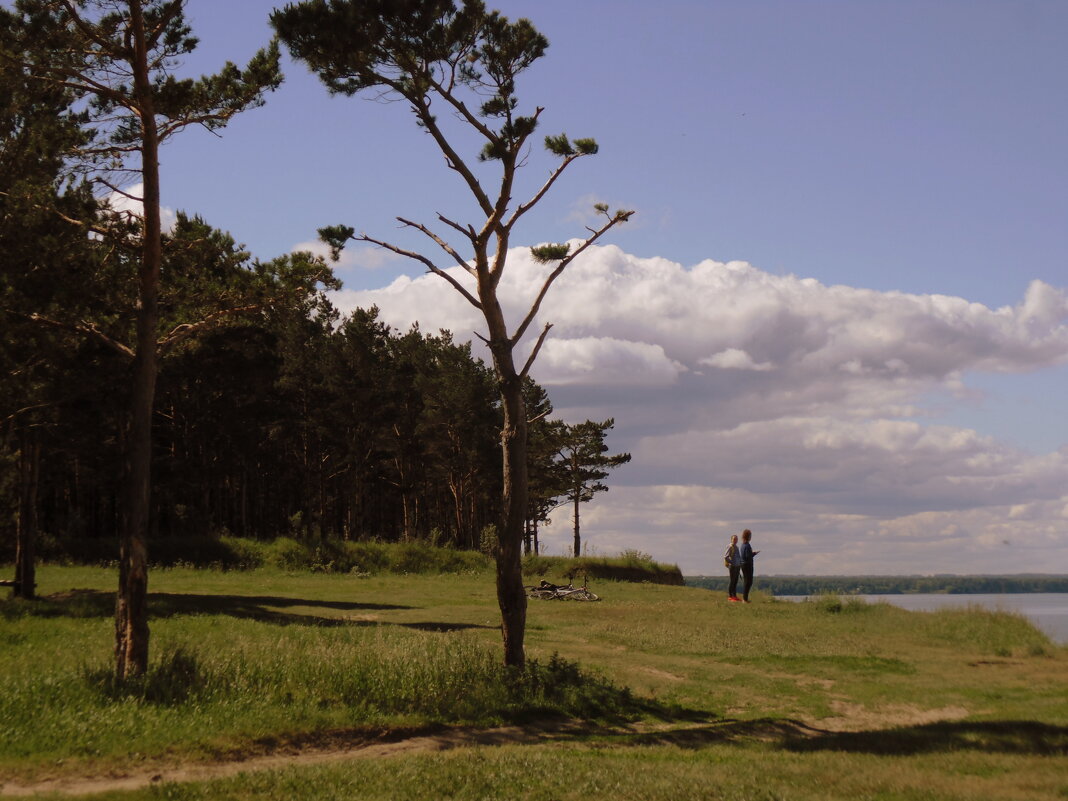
(746, 554)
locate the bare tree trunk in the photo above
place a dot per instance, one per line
(26, 537)
(131, 608)
(510, 594)
(244, 499)
(578, 539)
(408, 511)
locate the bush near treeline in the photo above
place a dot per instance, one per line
(894, 585)
(628, 566)
(327, 555)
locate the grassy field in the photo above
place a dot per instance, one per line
(678, 694)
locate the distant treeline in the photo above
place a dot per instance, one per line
(292, 420)
(893, 585)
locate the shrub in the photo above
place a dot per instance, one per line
(630, 566)
(834, 604)
(288, 554)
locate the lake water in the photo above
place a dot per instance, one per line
(1047, 610)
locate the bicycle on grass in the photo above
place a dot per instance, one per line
(566, 592)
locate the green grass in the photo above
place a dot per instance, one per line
(749, 771)
(690, 696)
(230, 670)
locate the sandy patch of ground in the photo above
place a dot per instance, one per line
(662, 674)
(854, 717)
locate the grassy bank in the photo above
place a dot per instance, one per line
(632, 566)
(689, 696)
(362, 558)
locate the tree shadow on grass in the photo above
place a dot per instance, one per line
(994, 736)
(1003, 736)
(707, 731)
(264, 608)
(259, 607)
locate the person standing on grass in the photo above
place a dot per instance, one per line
(732, 560)
(746, 554)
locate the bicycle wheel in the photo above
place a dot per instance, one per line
(581, 595)
(537, 592)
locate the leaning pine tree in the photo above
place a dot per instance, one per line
(117, 57)
(427, 52)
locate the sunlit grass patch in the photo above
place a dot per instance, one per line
(994, 632)
(214, 686)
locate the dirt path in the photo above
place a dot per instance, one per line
(137, 779)
(848, 718)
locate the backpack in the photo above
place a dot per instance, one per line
(728, 555)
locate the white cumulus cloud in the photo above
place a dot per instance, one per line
(607, 362)
(130, 201)
(734, 359)
(783, 405)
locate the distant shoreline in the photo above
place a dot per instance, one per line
(897, 585)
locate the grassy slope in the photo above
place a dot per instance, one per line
(772, 681)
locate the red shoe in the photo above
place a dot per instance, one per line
(733, 599)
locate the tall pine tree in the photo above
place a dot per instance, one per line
(464, 62)
(117, 57)
(585, 462)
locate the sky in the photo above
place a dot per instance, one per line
(839, 315)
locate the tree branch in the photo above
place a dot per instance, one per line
(11, 417)
(504, 197)
(86, 29)
(538, 417)
(613, 220)
(441, 243)
(422, 110)
(525, 207)
(118, 191)
(469, 231)
(64, 78)
(165, 20)
(81, 327)
(461, 107)
(186, 330)
(534, 352)
(424, 260)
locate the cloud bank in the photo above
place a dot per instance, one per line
(799, 410)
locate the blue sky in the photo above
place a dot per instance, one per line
(892, 152)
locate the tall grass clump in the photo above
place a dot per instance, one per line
(630, 565)
(377, 674)
(834, 604)
(173, 679)
(215, 689)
